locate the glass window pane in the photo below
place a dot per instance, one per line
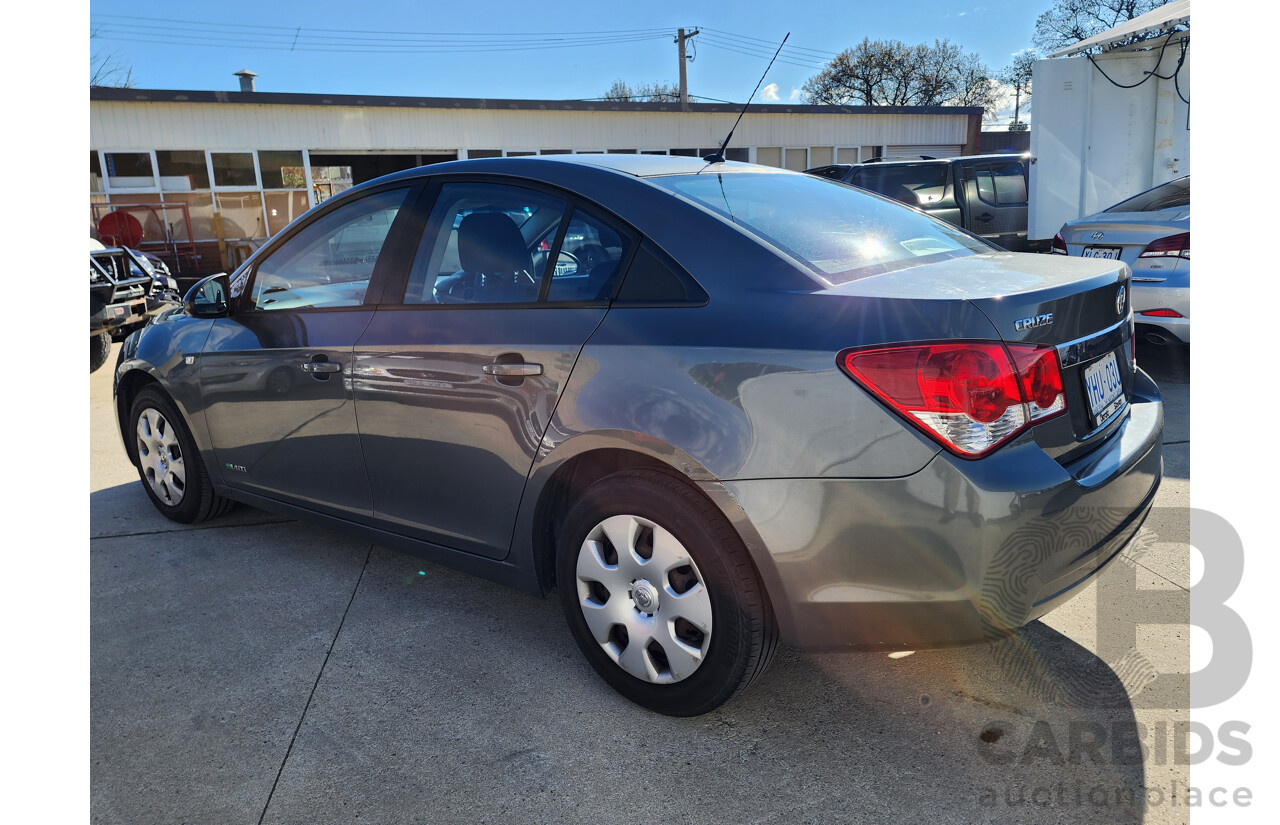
(556, 152)
(484, 244)
(182, 171)
(282, 170)
(914, 185)
(1010, 184)
(200, 213)
(126, 169)
(520, 153)
(1175, 193)
(241, 215)
(330, 262)
(769, 156)
(330, 180)
(738, 153)
(142, 208)
(484, 153)
(283, 207)
(233, 169)
(842, 233)
(589, 260)
(986, 189)
(686, 153)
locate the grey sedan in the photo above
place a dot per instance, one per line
(713, 405)
(1151, 232)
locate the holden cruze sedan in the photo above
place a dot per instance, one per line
(1151, 232)
(713, 405)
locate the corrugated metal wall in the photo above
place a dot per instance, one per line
(222, 126)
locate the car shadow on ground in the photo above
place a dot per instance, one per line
(447, 698)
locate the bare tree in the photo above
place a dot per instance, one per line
(892, 73)
(107, 68)
(1070, 21)
(620, 91)
(1018, 75)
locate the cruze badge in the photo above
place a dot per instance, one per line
(1024, 324)
(1120, 301)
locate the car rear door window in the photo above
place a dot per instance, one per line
(485, 243)
(330, 262)
(1001, 184)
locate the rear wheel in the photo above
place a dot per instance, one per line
(99, 350)
(169, 465)
(661, 595)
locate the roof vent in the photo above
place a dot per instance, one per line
(246, 80)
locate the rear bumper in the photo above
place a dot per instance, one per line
(962, 551)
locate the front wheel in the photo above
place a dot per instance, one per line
(169, 465)
(661, 595)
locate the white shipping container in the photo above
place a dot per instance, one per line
(1096, 143)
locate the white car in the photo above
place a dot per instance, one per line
(1151, 232)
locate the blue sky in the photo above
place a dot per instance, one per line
(164, 54)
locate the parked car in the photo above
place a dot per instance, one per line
(125, 291)
(1151, 232)
(762, 407)
(986, 194)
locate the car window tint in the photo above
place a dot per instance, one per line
(329, 262)
(1171, 195)
(842, 233)
(920, 185)
(485, 243)
(1009, 182)
(590, 258)
(986, 186)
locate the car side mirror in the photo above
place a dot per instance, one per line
(209, 298)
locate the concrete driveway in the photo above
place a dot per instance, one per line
(256, 669)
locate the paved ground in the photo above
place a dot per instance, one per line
(260, 670)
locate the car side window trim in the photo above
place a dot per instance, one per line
(389, 259)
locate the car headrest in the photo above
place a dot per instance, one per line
(490, 242)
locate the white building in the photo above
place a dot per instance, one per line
(244, 164)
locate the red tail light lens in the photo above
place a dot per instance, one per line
(1174, 246)
(1059, 246)
(971, 396)
(1161, 313)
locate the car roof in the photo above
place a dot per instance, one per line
(901, 161)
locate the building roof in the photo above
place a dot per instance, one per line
(107, 93)
(1163, 17)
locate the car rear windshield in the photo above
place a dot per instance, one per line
(840, 232)
(1169, 195)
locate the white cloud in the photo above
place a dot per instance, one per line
(769, 92)
(795, 95)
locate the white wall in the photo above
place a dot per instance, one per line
(1096, 144)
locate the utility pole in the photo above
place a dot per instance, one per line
(681, 39)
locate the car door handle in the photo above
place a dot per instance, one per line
(985, 216)
(314, 367)
(517, 370)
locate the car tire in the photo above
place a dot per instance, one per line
(169, 465)
(710, 622)
(99, 350)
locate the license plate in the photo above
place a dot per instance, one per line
(1111, 253)
(1102, 383)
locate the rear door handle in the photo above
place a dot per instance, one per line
(517, 370)
(314, 367)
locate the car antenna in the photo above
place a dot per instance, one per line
(718, 156)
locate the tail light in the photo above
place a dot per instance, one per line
(1161, 313)
(1059, 246)
(1173, 246)
(969, 396)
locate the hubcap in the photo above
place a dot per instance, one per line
(644, 600)
(160, 457)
